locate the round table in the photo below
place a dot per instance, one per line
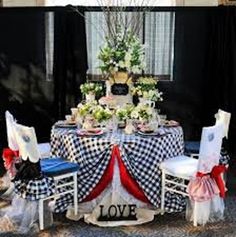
(140, 154)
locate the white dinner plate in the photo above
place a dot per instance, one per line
(64, 124)
(148, 133)
(83, 132)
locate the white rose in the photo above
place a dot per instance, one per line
(136, 69)
(121, 64)
(145, 94)
(128, 56)
(134, 114)
(152, 94)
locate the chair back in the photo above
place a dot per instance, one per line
(11, 136)
(27, 142)
(223, 117)
(210, 146)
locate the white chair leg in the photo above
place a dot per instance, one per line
(194, 214)
(163, 192)
(41, 215)
(75, 194)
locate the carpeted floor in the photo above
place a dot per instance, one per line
(169, 225)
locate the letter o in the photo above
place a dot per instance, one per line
(112, 213)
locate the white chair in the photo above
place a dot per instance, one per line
(65, 177)
(44, 150)
(192, 147)
(177, 171)
(223, 117)
(57, 168)
(11, 138)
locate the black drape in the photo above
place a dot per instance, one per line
(70, 59)
(24, 90)
(183, 97)
(204, 70)
(221, 68)
(22, 82)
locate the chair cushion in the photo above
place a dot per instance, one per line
(57, 166)
(181, 166)
(192, 146)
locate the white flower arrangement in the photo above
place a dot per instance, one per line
(124, 112)
(90, 87)
(87, 108)
(95, 111)
(146, 87)
(123, 52)
(142, 112)
(101, 114)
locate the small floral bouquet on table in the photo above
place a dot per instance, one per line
(93, 114)
(142, 113)
(124, 112)
(91, 88)
(145, 87)
(122, 52)
(101, 114)
(86, 108)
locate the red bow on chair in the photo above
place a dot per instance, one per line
(9, 157)
(216, 175)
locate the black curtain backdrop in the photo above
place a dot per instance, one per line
(70, 59)
(221, 67)
(183, 97)
(24, 90)
(204, 68)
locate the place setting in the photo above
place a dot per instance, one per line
(68, 123)
(90, 132)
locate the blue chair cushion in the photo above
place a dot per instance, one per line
(192, 146)
(57, 166)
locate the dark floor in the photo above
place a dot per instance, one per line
(163, 226)
(169, 225)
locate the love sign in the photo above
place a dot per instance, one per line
(118, 213)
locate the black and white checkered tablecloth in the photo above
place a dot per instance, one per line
(141, 155)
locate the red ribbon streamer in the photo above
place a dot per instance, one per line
(126, 179)
(129, 183)
(216, 175)
(9, 156)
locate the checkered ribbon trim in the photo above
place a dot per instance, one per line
(35, 189)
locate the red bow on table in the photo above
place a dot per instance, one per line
(216, 175)
(9, 156)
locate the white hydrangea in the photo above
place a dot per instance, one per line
(135, 114)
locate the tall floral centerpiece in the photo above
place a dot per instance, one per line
(122, 53)
(121, 56)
